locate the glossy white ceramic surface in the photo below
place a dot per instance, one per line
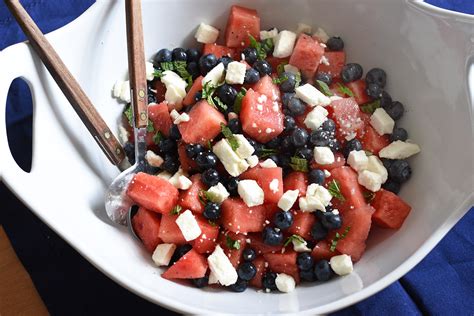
(428, 54)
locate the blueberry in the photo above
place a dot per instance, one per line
(399, 133)
(225, 60)
(324, 77)
(234, 126)
(331, 221)
(152, 98)
(206, 63)
(289, 84)
(268, 281)
(175, 134)
(179, 252)
(334, 145)
(316, 176)
(274, 143)
(283, 220)
(353, 144)
(320, 138)
(287, 143)
(374, 90)
(395, 110)
(289, 123)
(329, 126)
(193, 55)
(179, 54)
(263, 67)
(307, 275)
(387, 162)
(210, 177)
(150, 169)
(392, 186)
(193, 69)
(275, 159)
(212, 211)
(249, 254)
(201, 282)
(189, 150)
(351, 72)
(231, 184)
(320, 214)
(335, 44)
(323, 271)
(284, 160)
(250, 54)
(227, 94)
(399, 171)
(385, 100)
(163, 55)
(271, 236)
(206, 160)
(239, 286)
(251, 76)
(304, 152)
(167, 145)
(247, 271)
(285, 99)
(129, 149)
(197, 97)
(296, 107)
(304, 261)
(318, 231)
(376, 76)
(170, 164)
(299, 137)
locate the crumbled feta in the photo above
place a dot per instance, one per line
(150, 70)
(117, 89)
(215, 75)
(310, 204)
(175, 96)
(174, 114)
(122, 91)
(164, 175)
(233, 164)
(324, 61)
(370, 180)
(268, 34)
(284, 44)
(375, 165)
(285, 283)
(174, 180)
(250, 192)
(319, 192)
(183, 117)
(358, 160)
(170, 78)
(162, 254)
(304, 28)
(218, 193)
(153, 159)
(268, 164)
(221, 267)
(274, 185)
(327, 173)
(123, 134)
(316, 118)
(299, 246)
(235, 73)
(288, 199)
(188, 225)
(291, 68)
(322, 35)
(335, 98)
(312, 96)
(341, 264)
(252, 161)
(245, 149)
(213, 278)
(323, 155)
(317, 198)
(206, 34)
(184, 182)
(399, 150)
(382, 122)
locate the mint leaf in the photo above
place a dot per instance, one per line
(238, 100)
(266, 152)
(218, 102)
(202, 197)
(128, 113)
(181, 68)
(167, 65)
(261, 52)
(281, 68)
(338, 237)
(176, 210)
(369, 108)
(324, 88)
(150, 128)
(157, 137)
(232, 244)
(294, 237)
(299, 164)
(268, 45)
(298, 79)
(335, 190)
(369, 196)
(280, 80)
(157, 73)
(345, 90)
(234, 144)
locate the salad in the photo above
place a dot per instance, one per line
(269, 160)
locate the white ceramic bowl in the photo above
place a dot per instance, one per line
(428, 54)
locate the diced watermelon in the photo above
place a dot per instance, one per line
(267, 87)
(257, 244)
(236, 216)
(271, 210)
(264, 177)
(235, 255)
(195, 88)
(283, 263)
(259, 264)
(336, 61)
(147, 226)
(372, 141)
(359, 87)
(339, 161)
(296, 180)
(159, 115)
(207, 241)
(275, 61)
(169, 230)
(302, 224)
(204, 124)
(160, 90)
(189, 199)
(242, 22)
(390, 210)
(187, 163)
(350, 189)
(190, 266)
(307, 56)
(322, 251)
(153, 193)
(218, 50)
(348, 119)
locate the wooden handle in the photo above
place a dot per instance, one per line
(136, 62)
(68, 85)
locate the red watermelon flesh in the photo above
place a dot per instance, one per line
(348, 118)
(160, 91)
(235, 255)
(190, 266)
(359, 87)
(259, 264)
(302, 224)
(219, 51)
(350, 188)
(147, 226)
(207, 241)
(390, 210)
(283, 263)
(296, 180)
(153, 193)
(187, 163)
(267, 87)
(195, 88)
(322, 251)
(169, 230)
(260, 247)
(242, 22)
(336, 61)
(189, 199)
(160, 117)
(275, 62)
(374, 142)
(265, 176)
(236, 216)
(339, 161)
(307, 55)
(271, 210)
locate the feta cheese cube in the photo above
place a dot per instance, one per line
(299, 246)
(322, 35)
(117, 89)
(288, 199)
(245, 149)
(316, 118)
(214, 76)
(323, 155)
(399, 150)
(327, 173)
(268, 34)
(162, 254)
(174, 114)
(188, 225)
(324, 61)
(268, 164)
(341, 265)
(174, 180)
(164, 175)
(125, 92)
(221, 267)
(175, 96)
(291, 68)
(250, 192)
(311, 204)
(218, 193)
(312, 96)
(213, 278)
(184, 183)
(170, 78)
(375, 165)
(285, 283)
(358, 160)
(123, 134)
(150, 70)
(274, 185)
(252, 161)
(206, 34)
(304, 28)
(284, 44)
(233, 164)
(183, 117)
(370, 180)
(382, 122)
(235, 73)
(153, 159)
(321, 193)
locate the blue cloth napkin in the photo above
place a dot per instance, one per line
(442, 284)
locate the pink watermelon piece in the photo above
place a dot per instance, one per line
(190, 266)
(147, 226)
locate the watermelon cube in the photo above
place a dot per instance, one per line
(190, 266)
(283, 263)
(350, 189)
(336, 61)
(242, 22)
(236, 216)
(296, 180)
(195, 88)
(147, 226)
(275, 62)
(207, 241)
(390, 210)
(159, 115)
(234, 253)
(204, 124)
(260, 247)
(169, 230)
(302, 224)
(219, 51)
(268, 88)
(259, 264)
(307, 56)
(359, 87)
(348, 118)
(189, 199)
(322, 251)
(187, 163)
(271, 210)
(153, 193)
(372, 141)
(266, 179)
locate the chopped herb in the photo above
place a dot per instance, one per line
(338, 237)
(369, 108)
(268, 45)
(157, 137)
(261, 52)
(218, 102)
(266, 152)
(345, 90)
(294, 237)
(232, 244)
(181, 68)
(324, 88)
(128, 112)
(202, 197)
(335, 190)
(209, 145)
(176, 210)
(238, 100)
(281, 68)
(298, 79)
(167, 65)
(299, 164)
(158, 73)
(150, 128)
(209, 196)
(212, 223)
(369, 196)
(229, 136)
(208, 91)
(368, 153)
(280, 80)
